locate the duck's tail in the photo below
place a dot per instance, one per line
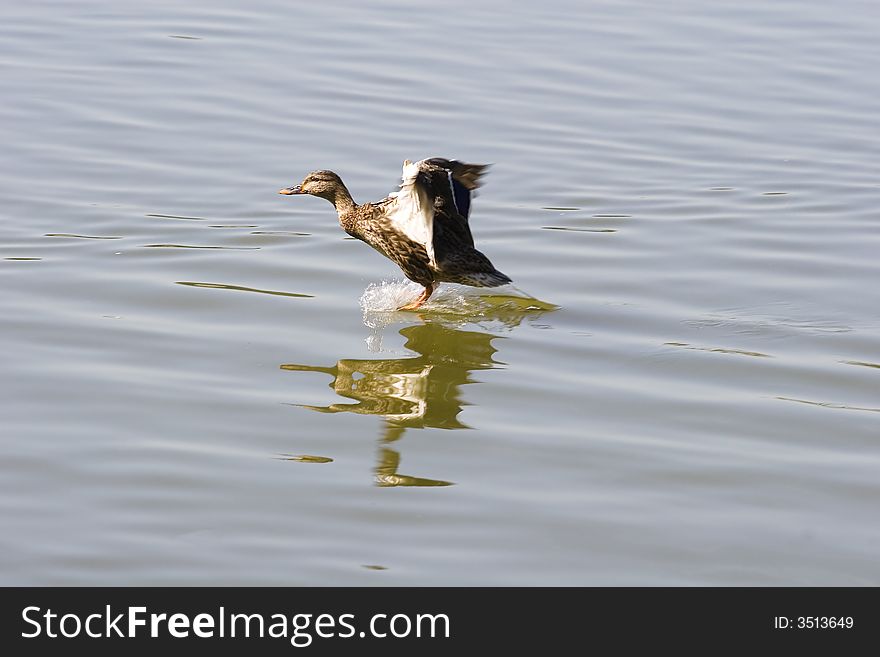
(492, 278)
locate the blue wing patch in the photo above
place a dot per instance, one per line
(461, 195)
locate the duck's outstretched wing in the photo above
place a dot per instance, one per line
(433, 203)
(463, 179)
(411, 210)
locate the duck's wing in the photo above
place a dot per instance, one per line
(434, 201)
(463, 179)
(452, 184)
(411, 210)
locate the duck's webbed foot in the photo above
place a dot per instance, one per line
(429, 290)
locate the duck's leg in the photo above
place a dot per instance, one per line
(429, 290)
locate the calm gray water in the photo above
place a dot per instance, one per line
(202, 383)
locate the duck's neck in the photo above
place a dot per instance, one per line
(342, 200)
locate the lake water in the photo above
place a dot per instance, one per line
(203, 382)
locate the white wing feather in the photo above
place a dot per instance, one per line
(413, 212)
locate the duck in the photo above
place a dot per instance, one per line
(423, 228)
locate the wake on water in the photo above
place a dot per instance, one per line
(455, 304)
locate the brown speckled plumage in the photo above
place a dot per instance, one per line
(447, 184)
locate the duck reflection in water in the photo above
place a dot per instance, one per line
(411, 392)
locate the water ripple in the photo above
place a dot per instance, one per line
(242, 288)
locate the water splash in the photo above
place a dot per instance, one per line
(506, 306)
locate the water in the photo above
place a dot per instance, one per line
(206, 383)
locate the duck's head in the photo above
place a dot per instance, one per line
(325, 184)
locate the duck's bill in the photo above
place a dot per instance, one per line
(296, 189)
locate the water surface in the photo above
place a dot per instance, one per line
(206, 383)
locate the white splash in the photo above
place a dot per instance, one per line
(388, 296)
(452, 304)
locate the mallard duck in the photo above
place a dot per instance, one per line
(423, 228)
